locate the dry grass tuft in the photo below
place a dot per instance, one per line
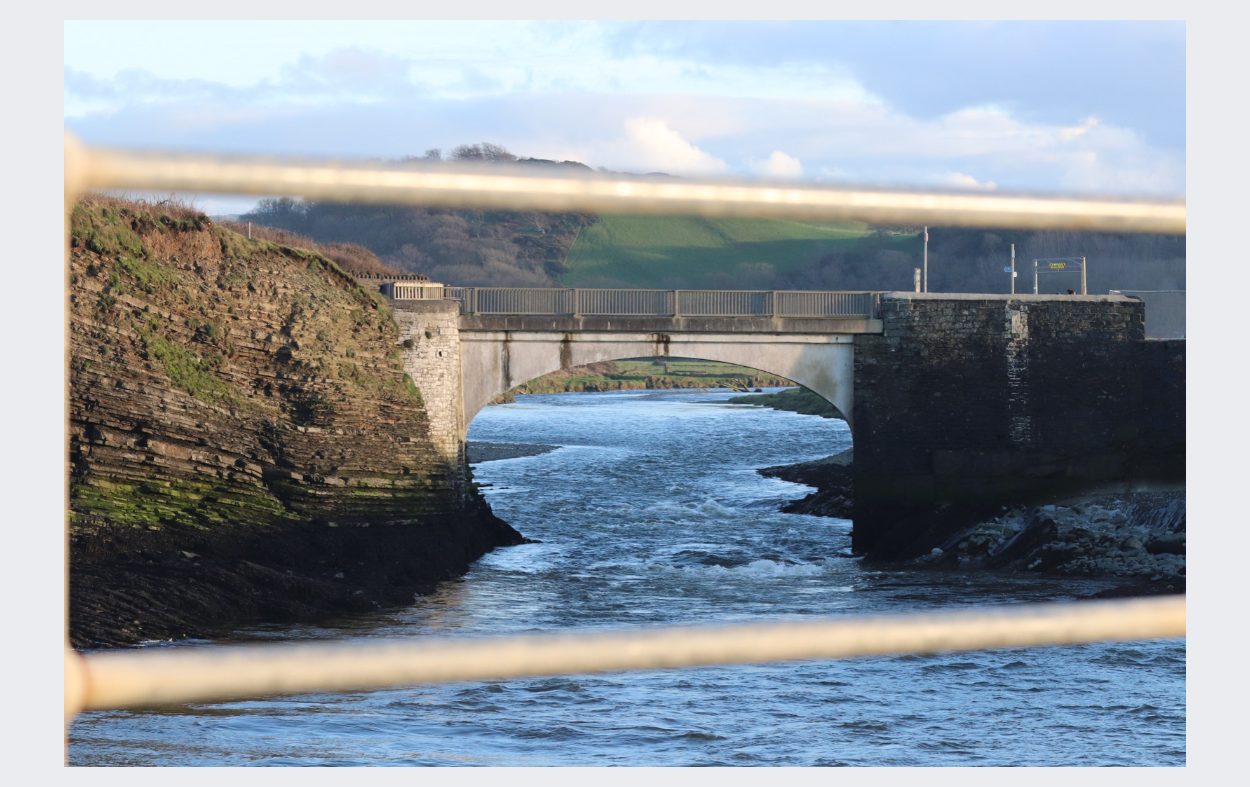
(175, 206)
(348, 256)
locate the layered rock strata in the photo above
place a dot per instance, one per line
(243, 440)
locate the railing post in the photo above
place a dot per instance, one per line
(676, 303)
(772, 304)
(575, 307)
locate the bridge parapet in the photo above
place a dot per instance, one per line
(579, 302)
(586, 324)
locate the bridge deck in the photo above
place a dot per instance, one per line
(574, 310)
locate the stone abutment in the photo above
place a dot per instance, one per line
(967, 402)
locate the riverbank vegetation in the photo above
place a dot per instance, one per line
(646, 374)
(795, 400)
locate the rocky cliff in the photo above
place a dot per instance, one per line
(243, 440)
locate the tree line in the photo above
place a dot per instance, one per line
(464, 247)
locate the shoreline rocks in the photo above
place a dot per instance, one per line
(832, 478)
(1137, 537)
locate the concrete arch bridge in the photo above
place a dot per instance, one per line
(954, 398)
(504, 337)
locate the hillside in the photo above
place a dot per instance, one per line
(691, 252)
(532, 249)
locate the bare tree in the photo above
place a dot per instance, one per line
(483, 151)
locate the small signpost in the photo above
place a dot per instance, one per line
(1057, 265)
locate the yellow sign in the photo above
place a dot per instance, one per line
(1058, 266)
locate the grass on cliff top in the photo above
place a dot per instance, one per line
(652, 251)
(795, 400)
(111, 225)
(350, 257)
(114, 229)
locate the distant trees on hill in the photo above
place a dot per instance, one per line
(469, 248)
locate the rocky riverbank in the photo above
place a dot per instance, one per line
(832, 478)
(244, 442)
(1138, 537)
(794, 400)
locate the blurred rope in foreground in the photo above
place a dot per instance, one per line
(527, 188)
(133, 679)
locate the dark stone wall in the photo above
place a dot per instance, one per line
(968, 402)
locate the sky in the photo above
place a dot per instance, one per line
(1077, 107)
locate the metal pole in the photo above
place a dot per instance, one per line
(1084, 289)
(1013, 269)
(449, 186)
(926, 258)
(1035, 277)
(916, 279)
(249, 230)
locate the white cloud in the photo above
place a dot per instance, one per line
(779, 165)
(961, 181)
(1072, 132)
(357, 102)
(652, 145)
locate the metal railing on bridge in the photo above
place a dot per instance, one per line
(651, 303)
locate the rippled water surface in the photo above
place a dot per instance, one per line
(651, 513)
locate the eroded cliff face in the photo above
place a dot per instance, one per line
(244, 441)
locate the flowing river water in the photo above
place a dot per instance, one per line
(651, 513)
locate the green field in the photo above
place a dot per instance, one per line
(683, 252)
(648, 373)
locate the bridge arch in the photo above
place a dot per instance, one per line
(493, 362)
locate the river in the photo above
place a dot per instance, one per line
(651, 513)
